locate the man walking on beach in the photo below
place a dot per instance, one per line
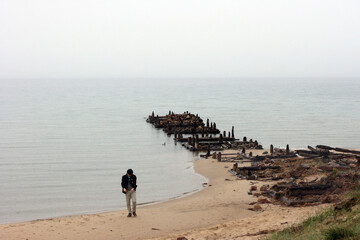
(128, 184)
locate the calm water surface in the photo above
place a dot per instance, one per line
(64, 144)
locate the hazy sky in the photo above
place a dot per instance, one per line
(182, 38)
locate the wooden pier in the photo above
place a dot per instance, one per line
(194, 134)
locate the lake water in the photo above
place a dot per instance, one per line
(64, 144)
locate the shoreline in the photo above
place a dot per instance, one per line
(222, 202)
(161, 211)
(141, 204)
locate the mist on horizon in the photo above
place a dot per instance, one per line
(180, 39)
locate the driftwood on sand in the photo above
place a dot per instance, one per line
(303, 177)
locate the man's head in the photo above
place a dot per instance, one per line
(129, 172)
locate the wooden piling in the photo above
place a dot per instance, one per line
(244, 139)
(287, 149)
(271, 149)
(219, 157)
(191, 124)
(235, 167)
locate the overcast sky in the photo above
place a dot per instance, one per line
(182, 38)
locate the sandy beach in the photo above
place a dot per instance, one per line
(219, 211)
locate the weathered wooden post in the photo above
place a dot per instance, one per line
(232, 132)
(202, 133)
(207, 123)
(244, 139)
(235, 167)
(153, 114)
(219, 157)
(208, 153)
(271, 149)
(211, 125)
(229, 134)
(197, 142)
(214, 125)
(224, 134)
(221, 138)
(287, 149)
(243, 150)
(256, 143)
(250, 154)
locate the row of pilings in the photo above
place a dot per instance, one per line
(191, 131)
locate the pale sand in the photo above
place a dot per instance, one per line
(219, 211)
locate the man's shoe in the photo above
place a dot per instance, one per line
(129, 215)
(134, 213)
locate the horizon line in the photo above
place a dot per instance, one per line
(64, 78)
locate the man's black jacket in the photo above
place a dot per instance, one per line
(125, 182)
